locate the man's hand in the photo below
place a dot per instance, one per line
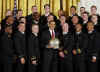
(22, 61)
(74, 52)
(34, 62)
(61, 54)
(94, 59)
(50, 46)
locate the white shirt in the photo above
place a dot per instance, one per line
(90, 32)
(35, 34)
(51, 32)
(22, 32)
(95, 23)
(78, 33)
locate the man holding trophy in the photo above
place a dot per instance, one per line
(50, 44)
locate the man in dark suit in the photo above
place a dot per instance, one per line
(44, 17)
(80, 45)
(20, 46)
(92, 48)
(33, 49)
(66, 53)
(33, 18)
(94, 19)
(7, 50)
(85, 17)
(30, 17)
(49, 53)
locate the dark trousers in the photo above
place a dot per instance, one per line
(50, 61)
(20, 67)
(32, 68)
(92, 67)
(66, 65)
(7, 68)
(79, 63)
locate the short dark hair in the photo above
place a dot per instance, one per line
(35, 25)
(75, 15)
(51, 21)
(51, 14)
(21, 18)
(94, 7)
(34, 6)
(90, 22)
(85, 13)
(82, 7)
(63, 16)
(79, 24)
(6, 26)
(73, 7)
(8, 17)
(46, 5)
(18, 11)
(21, 22)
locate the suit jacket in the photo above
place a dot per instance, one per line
(7, 49)
(80, 42)
(68, 41)
(20, 44)
(43, 22)
(30, 21)
(97, 27)
(46, 37)
(33, 46)
(93, 44)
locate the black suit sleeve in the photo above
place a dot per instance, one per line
(18, 46)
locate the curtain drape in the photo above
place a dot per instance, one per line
(26, 5)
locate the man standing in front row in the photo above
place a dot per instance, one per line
(92, 48)
(20, 46)
(50, 54)
(7, 50)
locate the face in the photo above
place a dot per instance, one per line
(36, 17)
(94, 19)
(34, 9)
(72, 10)
(23, 20)
(75, 20)
(93, 10)
(35, 29)
(78, 28)
(60, 12)
(9, 13)
(9, 30)
(52, 25)
(85, 17)
(82, 10)
(50, 18)
(90, 27)
(10, 20)
(0, 27)
(20, 13)
(21, 27)
(47, 9)
(63, 19)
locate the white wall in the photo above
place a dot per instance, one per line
(88, 3)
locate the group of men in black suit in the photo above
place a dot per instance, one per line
(47, 44)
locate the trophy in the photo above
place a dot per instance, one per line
(79, 51)
(54, 43)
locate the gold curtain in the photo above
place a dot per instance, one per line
(26, 5)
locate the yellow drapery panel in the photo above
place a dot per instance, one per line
(4, 6)
(26, 5)
(56, 6)
(1, 10)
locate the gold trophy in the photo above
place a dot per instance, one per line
(79, 51)
(54, 43)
